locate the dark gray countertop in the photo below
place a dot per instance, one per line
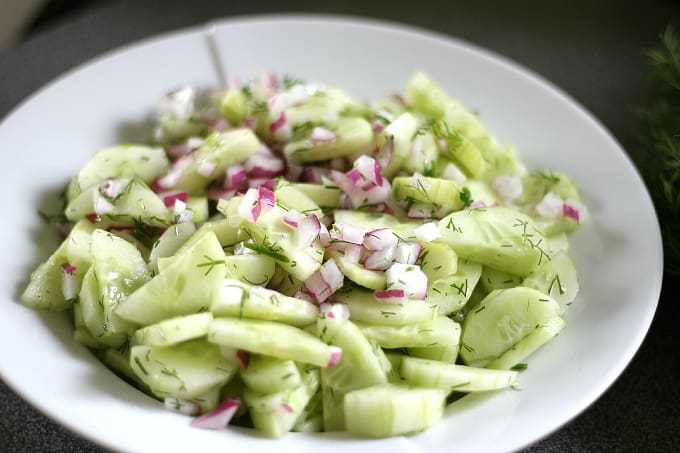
(592, 50)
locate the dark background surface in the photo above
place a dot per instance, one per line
(595, 51)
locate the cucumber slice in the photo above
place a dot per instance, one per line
(446, 354)
(492, 279)
(117, 271)
(441, 332)
(449, 376)
(239, 299)
(185, 370)
(199, 206)
(254, 269)
(221, 149)
(275, 414)
(227, 235)
(354, 136)
(169, 242)
(122, 161)
(270, 338)
(325, 197)
(450, 294)
(392, 409)
(556, 278)
(357, 273)
(234, 106)
(437, 260)
(373, 221)
(498, 237)
(501, 320)
(135, 203)
(311, 418)
(44, 289)
(267, 375)
(443, 194)
(188, 285)
(529, 344)
(290, 197)
(173, 331)
(360, 366)
(364, 307)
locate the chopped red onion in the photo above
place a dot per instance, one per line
(379, 239)
(249, 122)
(416, 149)
(220, 124)
(352, 252)
(325, 281)
(70, 286)
(550, 206)
(407, 252)
(243, 357)
(336, 356)
(346, 232)
(235, 176)
(216, 194)
(380, 260)
(575, 210)
(420, 211)
(110, 188)
(250, 207)
(206, 168)
(185, 147)
(408, 277)
(370, 169)
(176, 171)
(293, 218)
(334, 311)
(507, 187)
(278, 122)
(102, 205)
(264, 166)
(390, 296)
(378, 126)
(266, 197)
(324, 235)
(286, 408)
(307, 231)
(170, 197)
(219, 417)
(427, 232)
(68, 268)
(477, 205)
(322, 135)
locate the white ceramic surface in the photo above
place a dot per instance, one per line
(48, 137)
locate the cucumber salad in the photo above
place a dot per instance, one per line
(283, 257)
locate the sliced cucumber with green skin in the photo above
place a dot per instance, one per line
(227, 235)
(437, 260)
(199, 206)
(528, 345)
(118, 360)
(135, 202)
(173, 331)
(187, 285)
(117, 271)
(357, 273)
(501, 320)
(424, 162)
(450, 294)
(325, 197)
(498, 237)
(492, 279)
(442, 331)
(44, 289)
(169, 242)
(359, 367)
(395, 361)
(268, 375)
(364, 307)
(275, 414)
(120, 161)
(184, 370)
(392, 410)
(234, 106)
(449, 376)
(441, 193)
(290, 197)
(220, 149)
(254, 269)
(242, 300)
(557, 278)
(538, 183)
(480, 192)
(273, 339)
(354, 136)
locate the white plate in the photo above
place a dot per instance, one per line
(52, 134)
